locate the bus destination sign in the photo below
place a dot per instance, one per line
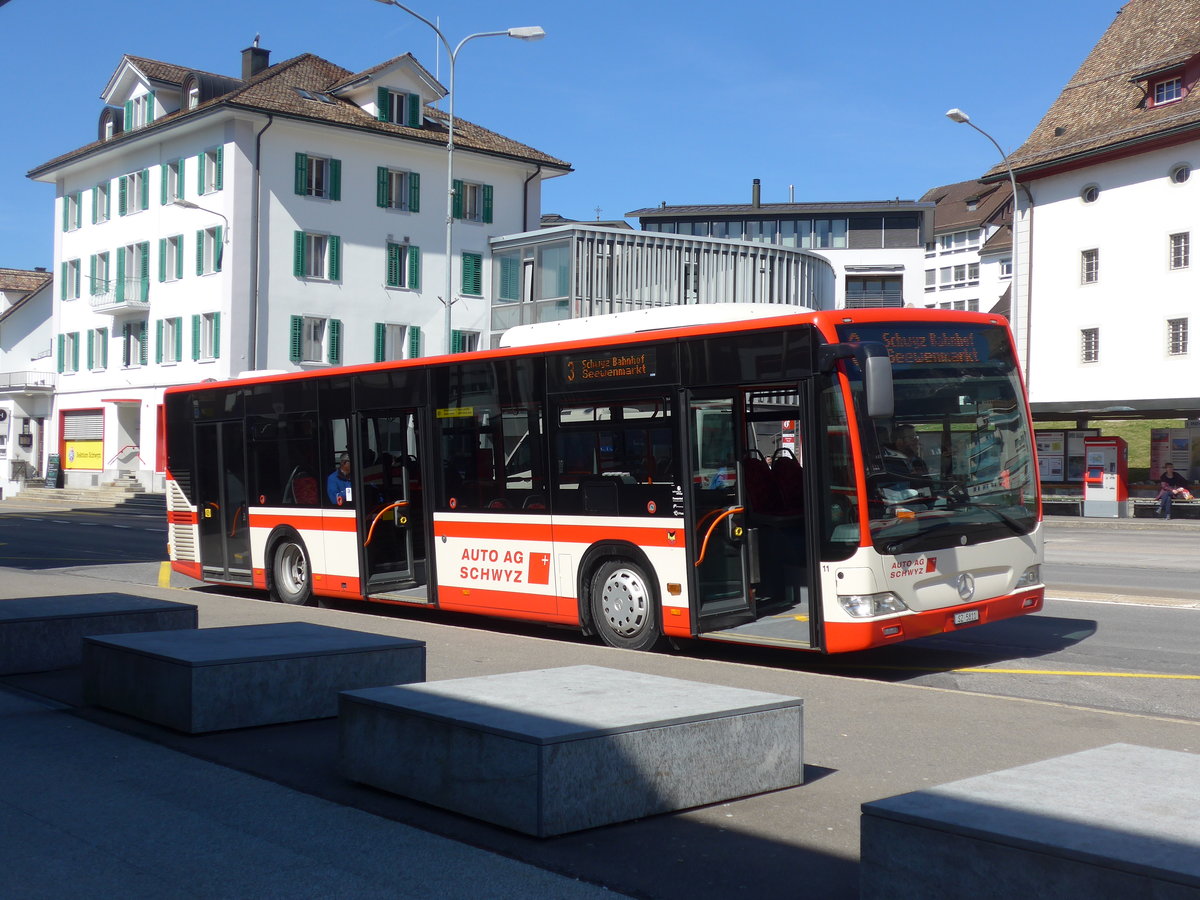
(924, 346)
(609, 367)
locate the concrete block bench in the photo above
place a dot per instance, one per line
(214, 679)
(42, 633)
(558, 750)
(1114, 823)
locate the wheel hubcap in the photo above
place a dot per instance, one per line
(292, 569)
(624, 600)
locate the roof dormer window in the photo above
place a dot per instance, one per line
(139, 111)
(1168, 91)
(399, 107)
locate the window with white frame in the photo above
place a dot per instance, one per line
(212, 170)
(1177, 337)
(134, 348)
(1181, 248)
(98, 349)
(390, 341)
(318, 176)
(193, 97)
(472, 202)
(963, 275)
(317, 256)
(172, 181)
(1006, 267)
(101, 202)
(134, 190)
(1089, 266)
(210, 250)
(316, 339)
(133, 272)
(72, 211)
(930, 280)
(1168, 90)
(403, 266)
(464, 341)
(139, 112)
(70, 279)
(206, 336)
(399, 107)
(170, 340)
(98, 274)
(68, 352)
(396, 189)
(170, 258)
(1089, 345)
(959, 241)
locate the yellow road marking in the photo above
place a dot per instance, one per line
(164, 574)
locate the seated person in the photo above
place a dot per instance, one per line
(338, 486)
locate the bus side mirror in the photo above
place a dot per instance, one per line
(872, 359)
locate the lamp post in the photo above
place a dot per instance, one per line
(524, 33)
(188, 204)
(957, 115)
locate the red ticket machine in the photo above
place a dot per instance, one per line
(1106, 477)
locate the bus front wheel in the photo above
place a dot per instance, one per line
(292, 573)
(624, 610)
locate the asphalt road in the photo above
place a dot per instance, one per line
(1117, 633)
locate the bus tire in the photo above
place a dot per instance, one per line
(624, 608)
(291, 572)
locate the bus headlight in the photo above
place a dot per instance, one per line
(1031, 576)
(862, 606)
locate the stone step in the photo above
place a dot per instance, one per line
(100, 496)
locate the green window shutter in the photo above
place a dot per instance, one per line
(487, 204)
(472, 274)
(91, 357)
(178, 339)
(143, 344)
(158, 330)
(335, 179)
(120, 275)
(179, 178)
(301, 173)
(298, 247)
(149, 107)
(458, 199)
(195, 337)
(162, 259)
(335, 258)
(162, 192)
(128, 123)
(95, 202)
(414, 268)
(104, 348)
(219, 180)
(66, 212)
(393, 266)
(381, 187)
(178, 255)
(414, 111)
(144, 270)
(75, 351)
(61, 350)
(456, 341)
(200, 173)
(414, 192)
(335, 341)
(123, 196)
(382, 96)
(380, 337)
(218, 248)
(510, 278)
(144, 195)
(199, 252)
(414, 341)
(62, 287)
(92, 275)
(296, 345)
(216, 336)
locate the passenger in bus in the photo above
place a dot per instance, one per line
(906, 451)
(338, 486)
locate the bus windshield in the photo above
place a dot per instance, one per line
(954, 465)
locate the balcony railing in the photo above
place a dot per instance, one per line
(27, 381)
(134, 298)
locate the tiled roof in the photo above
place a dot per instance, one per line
(727, 209)
(166, 72)
(1103, 105)
(386, 64)
(22, 280)
(1000, 240)
(273, 90)
(952, 211)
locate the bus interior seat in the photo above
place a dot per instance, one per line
(534, 501)
(789, 480)
(761, 496)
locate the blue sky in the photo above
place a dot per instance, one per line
(683, 101)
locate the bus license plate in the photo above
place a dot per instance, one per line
(967, 617)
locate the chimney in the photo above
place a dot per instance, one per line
(254, 60)
(756, 194)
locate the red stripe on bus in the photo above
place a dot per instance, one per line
(304, 522)
(508, 605)
(516, 530)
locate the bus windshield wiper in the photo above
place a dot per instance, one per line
(1013, 523)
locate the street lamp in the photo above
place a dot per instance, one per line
(957, 115)
(524, 33)
(188, 204)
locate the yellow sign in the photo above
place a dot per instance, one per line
(83, 455)
(457, 412)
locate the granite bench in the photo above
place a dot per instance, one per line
(1113, 823)
(38, 634)
(214, 679)
(558, 750)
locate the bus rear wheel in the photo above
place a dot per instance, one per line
(291, 572)
(624, 609)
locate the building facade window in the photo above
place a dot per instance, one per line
(317, 256)
(399, 107)
(134, 191)
(210, 176)
(472, 274)
(134, 348)
(1181, 250)
(172, 181)
(962, 275)
(930, 280)
(68, 352)
(97, 349)
(98, 274)
(206, 336)
(959, 241)
(139, 111)
(1006, 267)
(133, 272)
(396, 189)
(101, 203)
(1168, 90)
(1089, 345)
(1181, 173)
(464, 341)
(473, 202)
(70, 280)
(72, 211)
(1089, 266)
(1177, 337)
(316, 339)
(210, 250)
(170, 258)
(1090, 194)
(169, 340)
(403, 266)
(318, 176)
(390, 341)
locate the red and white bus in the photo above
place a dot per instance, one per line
(829, 481)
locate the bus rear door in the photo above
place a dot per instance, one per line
(224, 516)
(391, 517)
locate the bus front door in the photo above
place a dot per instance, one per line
(222, 503)
(391, 520)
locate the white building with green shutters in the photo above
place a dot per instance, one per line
(289, 219)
